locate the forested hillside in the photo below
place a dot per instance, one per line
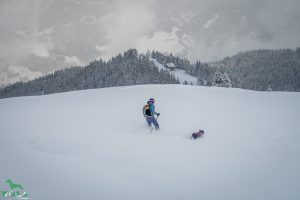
(130, 68)
(264, 69)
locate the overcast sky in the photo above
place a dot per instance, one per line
(39, 36)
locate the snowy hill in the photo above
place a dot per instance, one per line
(179, 74)
(94, 144)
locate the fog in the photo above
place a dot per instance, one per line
(42, 36)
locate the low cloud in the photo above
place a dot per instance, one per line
(211, 21)
(46, 35)
(17, 73)
(161, 41)
(72, 60)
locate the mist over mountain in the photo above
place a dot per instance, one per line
(38, 37)
(263, 70)
(129, 68)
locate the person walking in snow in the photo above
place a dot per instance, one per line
(149, 114)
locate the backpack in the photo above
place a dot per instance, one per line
(146, 110)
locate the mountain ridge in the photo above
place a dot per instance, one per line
(263, 69)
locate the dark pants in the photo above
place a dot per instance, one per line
(151, 120)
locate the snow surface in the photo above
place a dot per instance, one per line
(178, 73)
(94, 144)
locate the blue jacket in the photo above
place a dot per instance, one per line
(152, 109)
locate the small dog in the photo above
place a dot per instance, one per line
(197, 134)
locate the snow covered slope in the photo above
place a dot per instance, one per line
(94, 144)
(180, 74)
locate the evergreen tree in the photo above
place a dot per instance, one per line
(221, 80)
(269, 88)
(121, 70)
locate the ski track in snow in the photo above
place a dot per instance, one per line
(94, 144)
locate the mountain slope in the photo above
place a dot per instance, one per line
(129, 68)
(94, 144)
(260, 69)
(179, 74)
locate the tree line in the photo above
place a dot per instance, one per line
(264, 70)
(127, 69)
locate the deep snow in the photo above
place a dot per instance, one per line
(94, 144)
